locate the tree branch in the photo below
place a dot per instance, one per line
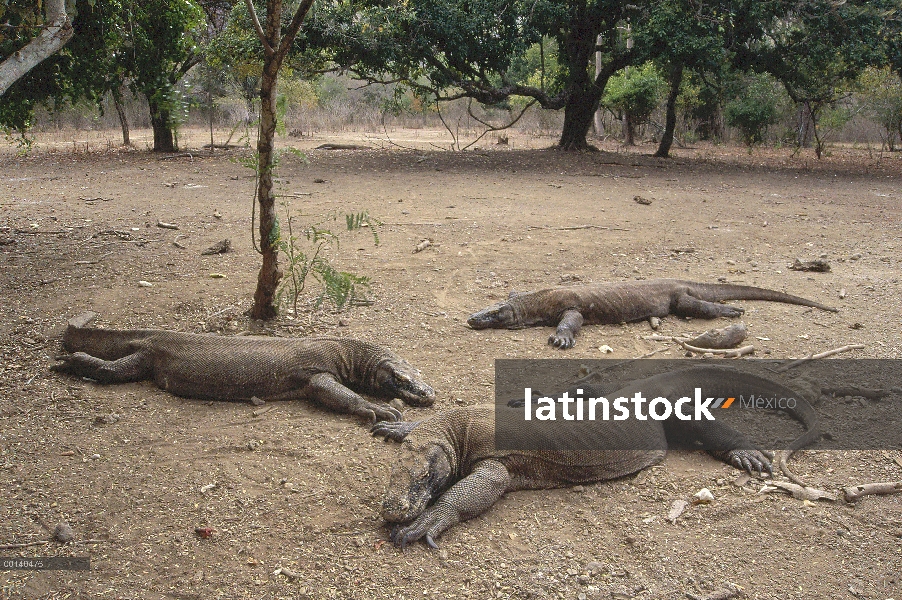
(57, 31)
(294, 27)
(258, 28)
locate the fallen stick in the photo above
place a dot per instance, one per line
(855, 493)
(784, 468)
(800, 361)
(23, 545)
(727, 353)
(799, 492)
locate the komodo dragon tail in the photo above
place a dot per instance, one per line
(101, 343)
(715, 292)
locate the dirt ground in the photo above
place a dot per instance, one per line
(299, 488)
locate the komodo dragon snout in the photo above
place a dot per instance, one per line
(497, 316)
(417, 478)
(398, 379)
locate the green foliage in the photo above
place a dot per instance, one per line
(754, 109)
(308, 255)
(701, 103)
(83, 69)
(635, 91)
(881, 93)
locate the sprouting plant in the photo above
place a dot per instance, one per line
(308, 256)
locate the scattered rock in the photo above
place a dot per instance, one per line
(703, 496)
(842, 293)
(63, 532)
(106, 419)
(204, 532)
(257, 401)
(220, 247)
(641, 200)
(727, 337)
(143, 283)
(676, 509)
(655, 322)
(818, 266)
(167, 225)
(422, 245)
(856, 256)
(742, 480)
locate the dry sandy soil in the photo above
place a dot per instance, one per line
(299, 488)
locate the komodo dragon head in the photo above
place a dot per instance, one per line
(504, 315)
(396, 378)
(418, 477)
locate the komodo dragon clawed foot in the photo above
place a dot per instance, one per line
(403, 535)
(750, 461)
(395, 431)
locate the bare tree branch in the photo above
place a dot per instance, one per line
(258, 28)
(491, 127)
(57, 31)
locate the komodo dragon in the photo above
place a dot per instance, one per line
(327, 370)
(452, 456)
(621, 302)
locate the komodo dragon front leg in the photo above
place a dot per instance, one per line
(395, 431)
(724, 443)
(324, 389)
(567, 328)
(468, 498)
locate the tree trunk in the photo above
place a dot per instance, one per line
(123, 120)
(163, 140)
(804, 133)
(270, 275)
(579, 112)
(676, 77)
(275, 47)
(629, 130)
(56, 32)
(584, 93)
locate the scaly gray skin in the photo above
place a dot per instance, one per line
(451, 457)
(569, 308)
(331, 371)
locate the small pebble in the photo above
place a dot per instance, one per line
(703, 496)
(63, 532)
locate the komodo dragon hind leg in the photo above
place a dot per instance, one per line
(468, 498)
(124, 370)
(325, 390)
(689, 306)
(395, 431)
